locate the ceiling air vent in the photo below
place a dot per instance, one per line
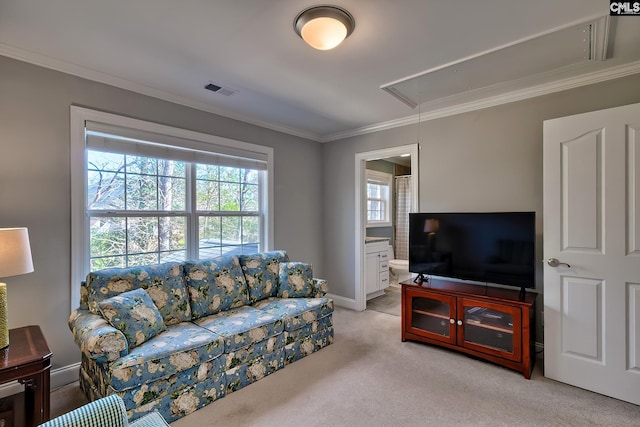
(222, 90)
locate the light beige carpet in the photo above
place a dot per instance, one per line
(368, 377)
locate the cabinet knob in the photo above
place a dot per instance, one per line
(459, 322)
(452, 321)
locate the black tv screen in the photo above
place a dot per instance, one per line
(487, 247)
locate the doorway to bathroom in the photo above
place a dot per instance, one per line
(386, 191)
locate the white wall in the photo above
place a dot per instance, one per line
(35, 183)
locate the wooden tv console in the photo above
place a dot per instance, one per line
(489, 323)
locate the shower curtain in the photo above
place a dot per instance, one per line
(403, 207)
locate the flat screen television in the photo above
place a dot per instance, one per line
(486, 247)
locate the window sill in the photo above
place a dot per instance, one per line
(379, 224)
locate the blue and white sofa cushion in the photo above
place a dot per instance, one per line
(215, 285)
(134, 314)
(165, 284)
(262, 271)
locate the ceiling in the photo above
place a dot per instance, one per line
(454, 56)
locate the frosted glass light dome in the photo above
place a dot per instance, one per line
(324, 27)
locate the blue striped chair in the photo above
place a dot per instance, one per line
(106, 412)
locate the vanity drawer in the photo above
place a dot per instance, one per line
(384, 261)
(384, 279)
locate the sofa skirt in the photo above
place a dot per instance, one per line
(306, 345)
(254, 370)
(170, 402)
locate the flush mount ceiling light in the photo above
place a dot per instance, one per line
(324, 27)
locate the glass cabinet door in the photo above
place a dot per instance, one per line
(490, 329)
(431, 315)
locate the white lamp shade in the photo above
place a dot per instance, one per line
(15, 252)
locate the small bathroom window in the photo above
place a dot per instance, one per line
(379, 201)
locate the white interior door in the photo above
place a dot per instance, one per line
(592, 223)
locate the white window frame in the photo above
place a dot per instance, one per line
(79, 220)
(387, 178)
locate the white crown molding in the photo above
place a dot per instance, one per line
(492, 101)
(462, 107)
(100, 77)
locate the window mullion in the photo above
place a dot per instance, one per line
(126, 239)
(126, 182)
(192, 221)
(262, 224)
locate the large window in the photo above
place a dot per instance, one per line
(139, 212)
(152, 194)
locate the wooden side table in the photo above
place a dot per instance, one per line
(28, 360)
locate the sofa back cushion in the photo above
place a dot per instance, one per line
(261, 271)
(164, 283)
(215, 285)
(296, 280)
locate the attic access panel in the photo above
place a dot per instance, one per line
(529, 59)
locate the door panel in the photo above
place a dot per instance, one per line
(371, 273)
(633, 326)
(582, 192)
(582, 318)
(633, 182)
(591, 184)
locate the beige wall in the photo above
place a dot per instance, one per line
(484, 160)
(35, 183)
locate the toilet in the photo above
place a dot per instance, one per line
(399, 268)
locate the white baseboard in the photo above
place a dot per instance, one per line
(59, 377)
(349, 303)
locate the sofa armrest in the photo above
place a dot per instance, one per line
(96, 338)
(320, 288)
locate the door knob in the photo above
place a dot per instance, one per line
(553, 262)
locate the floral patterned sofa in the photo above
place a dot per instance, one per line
(175, 337)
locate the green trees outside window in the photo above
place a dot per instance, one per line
(142, 210)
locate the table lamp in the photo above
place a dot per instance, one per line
(15, 259)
